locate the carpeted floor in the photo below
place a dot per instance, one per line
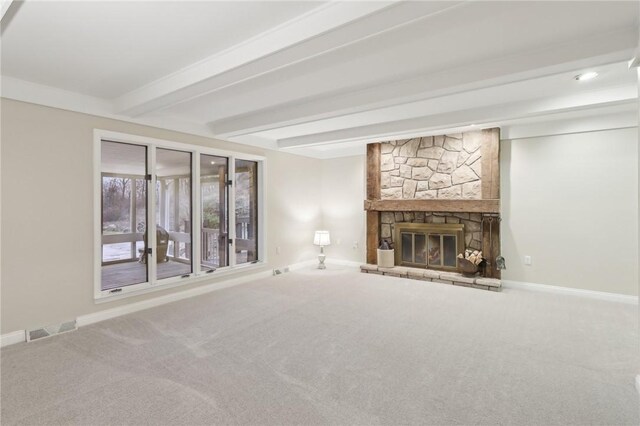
(336, 347)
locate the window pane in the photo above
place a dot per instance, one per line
(116, 216)
(124, 209)
(213, 196)
(173, 213)
(246, 191)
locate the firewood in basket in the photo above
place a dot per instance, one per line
(473, 256)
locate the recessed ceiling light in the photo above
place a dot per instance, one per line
(213, 162)
(586, 76)
(473, 125)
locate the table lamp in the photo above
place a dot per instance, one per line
(321, 239)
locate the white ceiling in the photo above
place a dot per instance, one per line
(322, 78)
(107, 48)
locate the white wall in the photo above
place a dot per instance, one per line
(343, 194)
(571, 203)
(638, 219)
(47, 229)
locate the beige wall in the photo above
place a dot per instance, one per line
(47, 247)
(561, 196)
(343, 194)
(571, 203)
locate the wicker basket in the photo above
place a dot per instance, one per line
(468, 268)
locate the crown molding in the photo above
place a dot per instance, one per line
(25, 91)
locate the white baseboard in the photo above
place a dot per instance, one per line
(12, 338)
(173, 297)
(328, 261)
(342, 262)
(20, 335)
(82, 320)
(601, 295)
(303, 264)
(163, 300)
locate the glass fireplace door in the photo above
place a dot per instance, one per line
(428, 245)
(414, 250)
(442, 251)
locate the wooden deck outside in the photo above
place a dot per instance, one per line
(128, 273)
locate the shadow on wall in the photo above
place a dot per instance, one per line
(343, 194)
(506, 236)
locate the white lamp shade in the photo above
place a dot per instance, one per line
(322, 238)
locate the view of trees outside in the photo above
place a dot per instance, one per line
(116, 202)
(116, 214)
(173, 207)
(166, 214)
(213, 198)
(246, 208)
(124, 194)
(210, 191)
(181, 223)
(244, 188)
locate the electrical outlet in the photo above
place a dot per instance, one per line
(338, 241)
(527, 260)
(355, 245)
(277, 249)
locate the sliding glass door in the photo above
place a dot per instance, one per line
(169, 214)
(246, 208)
(173, 214)
(214, 195)
(123, 214)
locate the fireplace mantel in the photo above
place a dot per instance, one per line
(456, 206)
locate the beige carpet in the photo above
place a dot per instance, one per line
(337, 347)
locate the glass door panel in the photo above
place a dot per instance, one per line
(420, 249)
(214, 201)
(434, 250)
(449, 251)
(124, 214)
(173, 213)
(407, 247)
(246, 204)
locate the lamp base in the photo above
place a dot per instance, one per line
(321, 258)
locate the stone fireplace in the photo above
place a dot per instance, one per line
(433, 197)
